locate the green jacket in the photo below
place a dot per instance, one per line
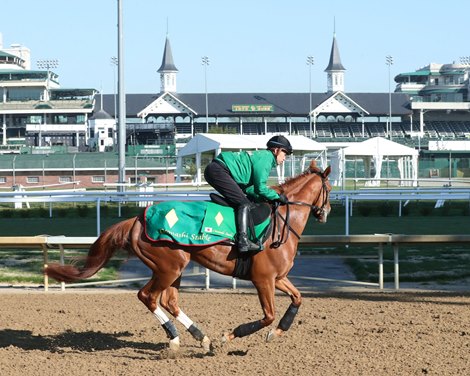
(251, 172)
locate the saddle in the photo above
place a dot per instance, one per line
(259, 212)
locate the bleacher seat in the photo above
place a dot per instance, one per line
(376, 129)
(324, 131)
(356, 130)
(341, 130)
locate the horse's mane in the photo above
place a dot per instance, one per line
(292, 182)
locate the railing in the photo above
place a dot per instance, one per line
(394, 240)
(348, 197)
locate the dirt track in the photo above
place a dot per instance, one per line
(109, 332)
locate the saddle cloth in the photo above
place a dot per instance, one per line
(194, 223)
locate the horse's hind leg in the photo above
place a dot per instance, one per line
(148, 295)
(169, 301)
(266, 297)
(286, 286)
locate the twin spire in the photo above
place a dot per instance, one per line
(334, 70)
(167, 70)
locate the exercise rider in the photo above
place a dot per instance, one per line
(236, 175)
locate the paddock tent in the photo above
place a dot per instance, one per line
(374, 152)
(305, 150)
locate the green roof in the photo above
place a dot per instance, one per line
(7, 75)
(421, 73)
(81, 160)
(6, 54)
(441, 90)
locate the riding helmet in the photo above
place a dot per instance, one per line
(280, 142)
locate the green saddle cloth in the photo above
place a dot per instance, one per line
(193, 223)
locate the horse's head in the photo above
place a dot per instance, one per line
(321, 205)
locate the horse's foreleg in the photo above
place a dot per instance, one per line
(266, 298)
(169, 301)
(286, 321)
(148, 295)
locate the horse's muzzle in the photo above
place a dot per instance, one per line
(322, 215)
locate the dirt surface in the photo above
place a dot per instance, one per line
(361, 332)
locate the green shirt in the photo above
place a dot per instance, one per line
(251, 172)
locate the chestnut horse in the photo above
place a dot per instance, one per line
(307, 192)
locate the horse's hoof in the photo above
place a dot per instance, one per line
(206, 344)
(175, 344)
(271, 335)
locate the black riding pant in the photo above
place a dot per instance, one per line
(218, 176)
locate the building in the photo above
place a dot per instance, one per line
(37, 116)
(35, 109)
(442, 92)
(412, 114)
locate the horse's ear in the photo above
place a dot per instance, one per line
(326, 172)
(313, 164)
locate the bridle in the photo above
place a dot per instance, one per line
(318, 212)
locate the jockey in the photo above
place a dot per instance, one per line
(236, 175)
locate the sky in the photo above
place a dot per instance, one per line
(252, 45)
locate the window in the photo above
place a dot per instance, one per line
(97, 179)
(32, 180)
(65, 179)
(3, 179)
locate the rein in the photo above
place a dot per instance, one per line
(282, 234)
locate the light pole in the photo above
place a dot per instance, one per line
(310, 62)
(122, 100)
(47, 64)
(389, 62)
(465, 60)
(114, 63)
(205, 62)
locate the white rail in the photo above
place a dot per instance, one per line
(394, 240)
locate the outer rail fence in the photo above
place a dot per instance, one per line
(348, 197)
(45, 243)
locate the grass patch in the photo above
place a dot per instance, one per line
(441, 263)
(25, 266)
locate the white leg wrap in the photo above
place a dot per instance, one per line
(160, 315)
(185, 320)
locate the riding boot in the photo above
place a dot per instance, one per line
(244, 244)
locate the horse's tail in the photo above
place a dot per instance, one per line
(114, 238)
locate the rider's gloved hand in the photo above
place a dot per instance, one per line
(282, 199)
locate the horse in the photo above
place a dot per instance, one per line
(307, 193)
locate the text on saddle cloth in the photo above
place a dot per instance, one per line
(193, 223)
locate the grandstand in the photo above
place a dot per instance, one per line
(426, 105)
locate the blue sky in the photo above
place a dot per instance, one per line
(253, 45)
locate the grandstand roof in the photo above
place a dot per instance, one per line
(282, 104)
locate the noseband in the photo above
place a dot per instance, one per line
(318, 212)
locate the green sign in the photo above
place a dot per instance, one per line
(252, 108)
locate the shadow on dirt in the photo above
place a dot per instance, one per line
(81, 341)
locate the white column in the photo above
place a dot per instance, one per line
(198, 168)
(4, 129)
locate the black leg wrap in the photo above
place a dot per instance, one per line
(247, 329)
(170, 329)
(196, 332)
(288, 317)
